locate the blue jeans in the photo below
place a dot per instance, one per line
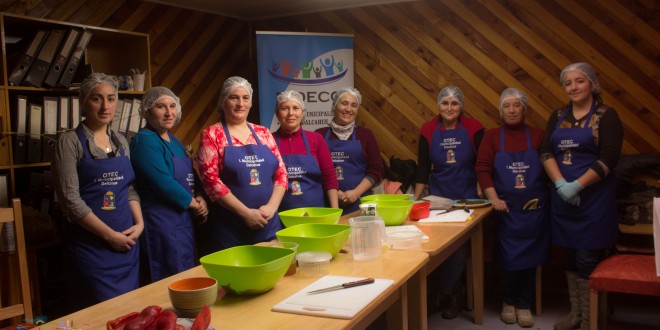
(585, 261)
(518, 287)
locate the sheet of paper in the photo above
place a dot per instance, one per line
(454, 216)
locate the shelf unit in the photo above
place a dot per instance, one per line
(113, 52)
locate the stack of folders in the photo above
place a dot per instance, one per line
(39, 122)
(51, 58)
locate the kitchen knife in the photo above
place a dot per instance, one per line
(344, 286)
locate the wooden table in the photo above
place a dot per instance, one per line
(254, 312)
(444, 240)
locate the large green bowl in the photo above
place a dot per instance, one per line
(316, 237)
(394, 213)
(248, 269)
(384, 197)
(302, 215)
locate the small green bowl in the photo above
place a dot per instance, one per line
(384, 197)
(394, 213)
(248, 269)
(316, 237)
(297, 216)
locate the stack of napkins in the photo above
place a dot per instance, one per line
(438, 203)
(454, 216)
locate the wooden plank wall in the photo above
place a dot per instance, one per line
(405, 53)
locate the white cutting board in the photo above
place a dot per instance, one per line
(454, 216)
(342, 304)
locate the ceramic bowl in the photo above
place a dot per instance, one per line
(248, 269)
(302, 215)
(189, 295)
(316, 237)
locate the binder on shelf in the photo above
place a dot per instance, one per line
(21, 140)
(64, 124)
(24, 63)
(61, 58)
(46, 194)
(75, 112)
(34, 139)
(134, 121)
(49, 136)
(74, 60)
(4, 191)
(33, 194)
(125, 117)
(116, 119)
(42, 63)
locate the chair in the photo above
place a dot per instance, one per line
(15, 214)
(624, 273)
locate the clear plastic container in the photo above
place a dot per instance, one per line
(405, 240)
(313, 263)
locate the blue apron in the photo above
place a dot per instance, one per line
(593, 224)
(523, 237)
(169, 231)
(453, 174)
(248, 172)
(97, 271)
(305, 179)
(349, 164)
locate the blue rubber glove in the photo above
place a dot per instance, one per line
(569, 190)
(560, 183)
(575, 201)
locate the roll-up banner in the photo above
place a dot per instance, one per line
(314, 64)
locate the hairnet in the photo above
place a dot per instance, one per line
(344, 90)
(230, 84)
(95, 79)
(290, 94)
(154, 94)
(587, 70)
(513, 93)
(451, 91)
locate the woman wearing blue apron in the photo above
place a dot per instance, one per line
(166, 182)
(242, 172)
(447, 152)
(94, 186)
(513, 179)
(354, 150)
(312, 176)
(582, 145)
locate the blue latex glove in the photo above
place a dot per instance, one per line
(560, 183)
(575, 201)
(569, 190)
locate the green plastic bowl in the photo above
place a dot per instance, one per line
(294, 217)
(316, 237)
(248, 269)
(384, 197)
(394, 213)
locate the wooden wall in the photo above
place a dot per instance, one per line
(405, 53)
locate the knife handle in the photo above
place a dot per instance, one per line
(358, 283)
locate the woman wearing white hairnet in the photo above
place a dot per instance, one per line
(94, 186)
(354, 150)
(581, 146)
(166, 183)
(242, 172)
(512, 177)
(312, 176)
(447, 151)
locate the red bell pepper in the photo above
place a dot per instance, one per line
(146, 317)
(120, 322)
(203, 319)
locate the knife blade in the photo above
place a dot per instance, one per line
(344, 286)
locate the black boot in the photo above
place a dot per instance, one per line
(455, 304)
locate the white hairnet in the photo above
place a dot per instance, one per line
(587, 70)
(342, 91)
(451, 92)
(229, 85)
(290, 94)
(513, 93)
(95, 79)
(154, 94)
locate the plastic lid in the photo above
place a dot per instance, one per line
(405, 235)
(313, 256)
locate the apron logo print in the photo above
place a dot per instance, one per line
(254, 177)
(451, 156)
(340, 173)
(520, 182)
(108, 201)
(568, 157)
(295, 188)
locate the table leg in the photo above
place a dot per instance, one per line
(477, 242)
(417, 318)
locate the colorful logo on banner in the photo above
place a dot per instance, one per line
(315, 65)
